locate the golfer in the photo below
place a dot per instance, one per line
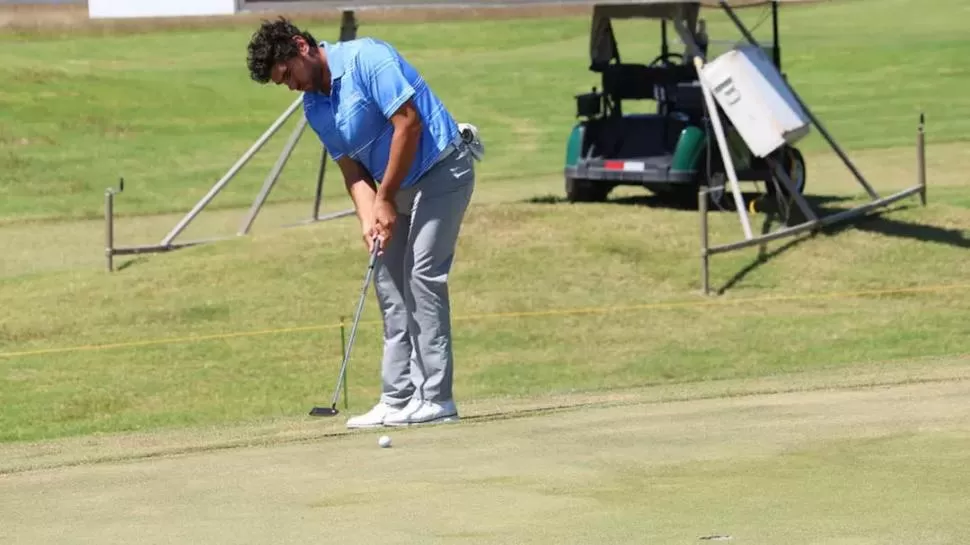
(409, 170)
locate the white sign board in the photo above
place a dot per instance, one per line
(98, 9)
(756, 99)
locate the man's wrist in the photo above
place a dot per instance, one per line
(365, 214)
(384, 193)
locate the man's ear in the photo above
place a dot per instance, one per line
(301, 45)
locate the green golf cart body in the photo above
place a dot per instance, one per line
(672, 150)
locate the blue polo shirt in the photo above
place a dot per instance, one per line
(370, 81)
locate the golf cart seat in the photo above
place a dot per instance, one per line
(629, 82)
(639, 81)
(628, 77)
(619, 136)
(634, 135)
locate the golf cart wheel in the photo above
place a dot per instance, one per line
(794, 164)
(586, 190)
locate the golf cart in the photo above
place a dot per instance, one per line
(671, 151)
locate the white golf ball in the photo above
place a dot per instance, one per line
(384, 441)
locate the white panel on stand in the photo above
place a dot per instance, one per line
(756, 99)
(159, 8)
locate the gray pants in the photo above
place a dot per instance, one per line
(411, 282)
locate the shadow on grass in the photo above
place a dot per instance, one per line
(130, 262)
(875, 222)
(680, 201)
(823, 205)
(878, 223)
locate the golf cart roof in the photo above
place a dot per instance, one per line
(668, 9)
(602, 41)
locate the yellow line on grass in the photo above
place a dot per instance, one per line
(520, 314)
(167, 340)
(720, 302)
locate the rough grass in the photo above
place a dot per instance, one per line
(548, 298)
(96, 107)
(170, 110)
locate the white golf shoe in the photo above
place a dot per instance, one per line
(374, 418)
(424, 412)
(400, 417)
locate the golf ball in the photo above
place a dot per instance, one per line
(384, 441)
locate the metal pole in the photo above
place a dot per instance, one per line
(664, 47)
(319, 196)
(808, 112)
(869, 207)
(687, 37)
(153, 249)
(725, 151)
(273, 176)
(705, 257)
(232, 172)
(819, 223)
(339, 214)
(776, 49)
(343, 353)
(787, 182)
(921, 158)
(109, 230)
(348, 25)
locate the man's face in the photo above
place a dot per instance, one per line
(304, 72)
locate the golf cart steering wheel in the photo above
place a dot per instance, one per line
(665, 59)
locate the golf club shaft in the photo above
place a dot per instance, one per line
(353, 329)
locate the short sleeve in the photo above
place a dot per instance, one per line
(383, 79)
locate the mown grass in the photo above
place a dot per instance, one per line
(171, 111)
(802, 468)
(547, 298)
(94, 108)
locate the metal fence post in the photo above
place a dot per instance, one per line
(705, 256)
(921, 158)
(109, 230)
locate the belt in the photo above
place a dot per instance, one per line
(452, 146)
(467, 138)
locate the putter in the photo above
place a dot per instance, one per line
(332, 409)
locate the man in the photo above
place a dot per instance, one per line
(410, 175)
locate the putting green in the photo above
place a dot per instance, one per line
(878, 464)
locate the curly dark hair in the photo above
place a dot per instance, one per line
(273, 43)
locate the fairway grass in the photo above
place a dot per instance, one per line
(820, 395)
(868, 465)
(548, 298)
(171, 111)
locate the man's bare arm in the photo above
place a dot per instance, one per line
(404, 147)
(362, 190)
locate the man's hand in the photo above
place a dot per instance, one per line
(367, 233)
(385, 218)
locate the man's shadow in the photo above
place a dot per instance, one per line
(779, 215)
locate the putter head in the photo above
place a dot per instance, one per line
(324, 411)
